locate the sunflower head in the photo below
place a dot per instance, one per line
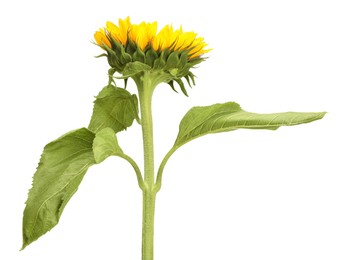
(133, 49)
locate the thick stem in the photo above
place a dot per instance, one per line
(146, 87)
(145, 95)
(148, 225)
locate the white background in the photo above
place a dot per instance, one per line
(237, 196)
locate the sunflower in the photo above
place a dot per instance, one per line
(132, 49)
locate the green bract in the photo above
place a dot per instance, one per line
(131, 60)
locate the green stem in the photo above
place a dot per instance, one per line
(147, 135)
(136, 168)
(162, 166)
(146, 87)
(148, 225)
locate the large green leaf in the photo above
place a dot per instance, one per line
(226, 117)
(229, 116)
(62, 167)
(115, 108)
(105, 144)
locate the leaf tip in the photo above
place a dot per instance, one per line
(22, 247)
(25, 243)
(323, 114)
(318, 115)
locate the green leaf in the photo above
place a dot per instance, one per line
(229, 116)
(105, 144)
(226, 117)
(114, 107)
(132, 68)
(62, 167)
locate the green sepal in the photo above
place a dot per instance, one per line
(101, 55)
(115, 45)
(139, 56)
(151, 56)
(124, 57)
(192, 77)
(173, 61)
(113, 59)
(131, 46)
(164, 55)
(171, 83)
(183, 59)
(184, 71)
(195, 61)
(182, 86)
(159, 63)
(188, 80)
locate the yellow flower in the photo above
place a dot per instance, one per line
(134, 50)
(145, 35)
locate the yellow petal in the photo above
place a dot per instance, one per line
(124, 26)
(143, 33)
(101, 38)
